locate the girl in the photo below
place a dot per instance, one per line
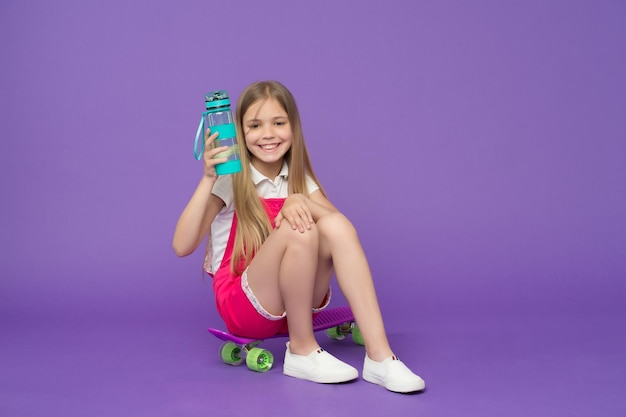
(274, 242)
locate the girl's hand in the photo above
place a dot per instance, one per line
(209, 154)
(296, 212)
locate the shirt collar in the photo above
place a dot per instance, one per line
(257, 177)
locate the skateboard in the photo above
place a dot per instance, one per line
(337, 321)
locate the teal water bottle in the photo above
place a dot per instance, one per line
(219, 118)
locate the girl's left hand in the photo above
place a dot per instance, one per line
(296, 212)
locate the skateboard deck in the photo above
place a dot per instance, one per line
(337, 321)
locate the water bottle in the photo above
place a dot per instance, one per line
(219, 118)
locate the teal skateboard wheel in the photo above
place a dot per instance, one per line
(259, 360)
(357, 337)
(230, 354)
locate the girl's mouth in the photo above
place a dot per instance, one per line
(269, 147)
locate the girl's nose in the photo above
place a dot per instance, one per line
(268, 132)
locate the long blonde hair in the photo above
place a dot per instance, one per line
(253, 224)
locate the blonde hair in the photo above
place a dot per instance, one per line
(253, 224)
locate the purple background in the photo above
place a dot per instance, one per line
(479, 148)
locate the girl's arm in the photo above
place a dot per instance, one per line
(320, 205)
(203, 206)
(195, 220)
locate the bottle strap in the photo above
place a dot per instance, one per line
(199, 137)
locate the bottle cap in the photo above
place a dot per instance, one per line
(217, 99)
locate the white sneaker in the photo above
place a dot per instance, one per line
(392, 374)
(319, 366)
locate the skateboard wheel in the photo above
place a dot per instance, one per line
(357, 337)
(335, 333)
(230, 354)
(259, 360)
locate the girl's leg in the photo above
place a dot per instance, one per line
(339, 241)
(282, 276)
(340, 245)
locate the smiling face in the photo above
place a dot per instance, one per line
(268, 135)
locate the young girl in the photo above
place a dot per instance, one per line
(275, 241)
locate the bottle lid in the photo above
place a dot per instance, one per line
(217, 99)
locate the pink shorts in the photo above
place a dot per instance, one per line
(244, 315)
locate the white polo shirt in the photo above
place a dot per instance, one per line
(223, 188)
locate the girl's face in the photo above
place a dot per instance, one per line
(268, 135)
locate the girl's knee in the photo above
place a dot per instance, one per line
(308, 240)
(336, 225)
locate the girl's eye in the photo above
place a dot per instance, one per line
(280, 123)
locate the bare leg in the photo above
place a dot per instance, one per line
(340, 245)
(282, 276)
(292, 271)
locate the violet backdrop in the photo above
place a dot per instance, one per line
(479, 148)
